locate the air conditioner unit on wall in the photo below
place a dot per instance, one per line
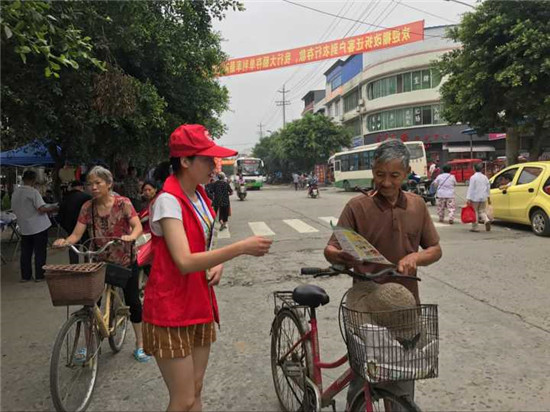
(361, 102)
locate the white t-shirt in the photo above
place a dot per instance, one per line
(25, 203)
(168, 206)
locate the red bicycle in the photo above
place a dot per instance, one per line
(399, 351)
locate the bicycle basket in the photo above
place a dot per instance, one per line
(394, 345)
(80, 284)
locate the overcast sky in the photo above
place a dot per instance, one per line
(267, 26)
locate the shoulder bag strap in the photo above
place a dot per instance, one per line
(93, 224)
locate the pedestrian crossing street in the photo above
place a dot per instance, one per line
(302, 227)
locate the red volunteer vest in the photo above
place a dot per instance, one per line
(171, 298)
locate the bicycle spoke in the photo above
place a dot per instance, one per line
(72, 379)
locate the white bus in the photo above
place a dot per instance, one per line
(354, 167)
(252, 169)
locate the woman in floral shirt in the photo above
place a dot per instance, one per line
(107, 216)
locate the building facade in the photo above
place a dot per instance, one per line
(394, 93)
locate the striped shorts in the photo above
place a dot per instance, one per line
(176, 342)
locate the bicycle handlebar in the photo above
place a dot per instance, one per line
(336, 270)
(93, 252)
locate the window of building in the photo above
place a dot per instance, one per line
(404, 117)
(376, 90)
(391, 119)
(399, 83)
(403, 82)
(407, 82)
(392, 85)
(408, 116)
(351, 100)
(417, 80)
(426, 79)
(427, 115)
(417, 116)
(354, 127)
(335, 83)
(399, 115)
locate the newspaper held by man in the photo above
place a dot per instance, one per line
(357, 246)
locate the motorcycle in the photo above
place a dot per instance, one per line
(422, 189)
(241, 191)
(313, 190)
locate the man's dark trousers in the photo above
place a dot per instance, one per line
(37, 244)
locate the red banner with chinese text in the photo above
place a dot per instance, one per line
(382, 39)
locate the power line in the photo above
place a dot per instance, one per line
(427, 12)
(311, 77)
(327, 32)
(359, 21)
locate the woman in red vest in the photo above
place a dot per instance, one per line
(180, 306)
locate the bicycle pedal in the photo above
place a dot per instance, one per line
(123, 311)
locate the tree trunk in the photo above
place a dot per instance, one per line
(512, 146)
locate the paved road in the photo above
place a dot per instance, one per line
(493, 290)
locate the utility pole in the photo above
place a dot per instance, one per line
(283, 103)
(261, 130)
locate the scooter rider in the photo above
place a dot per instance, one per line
(312, 183)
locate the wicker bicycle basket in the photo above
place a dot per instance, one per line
(393, 345)
(80, 284)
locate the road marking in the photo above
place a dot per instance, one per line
(300, 226)
(260, 229)
(328, 219)
(224, 234)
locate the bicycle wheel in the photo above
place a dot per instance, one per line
(118, 319)
(383, 400)
(74, 363)
(290, 373)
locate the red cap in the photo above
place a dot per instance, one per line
(194, 140)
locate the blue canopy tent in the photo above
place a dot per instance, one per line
(32, 154)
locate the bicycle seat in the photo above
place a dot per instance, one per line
(310, 295)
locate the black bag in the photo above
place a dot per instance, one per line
(115, 275)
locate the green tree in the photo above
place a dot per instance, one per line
(159, 67)
(34, 27)
(302, 144)
(500, 77)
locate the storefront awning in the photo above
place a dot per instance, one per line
(465, 149)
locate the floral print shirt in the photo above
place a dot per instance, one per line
(114, 225)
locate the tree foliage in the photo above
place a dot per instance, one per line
(302, 144)
(500, 78)
(140, 68)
